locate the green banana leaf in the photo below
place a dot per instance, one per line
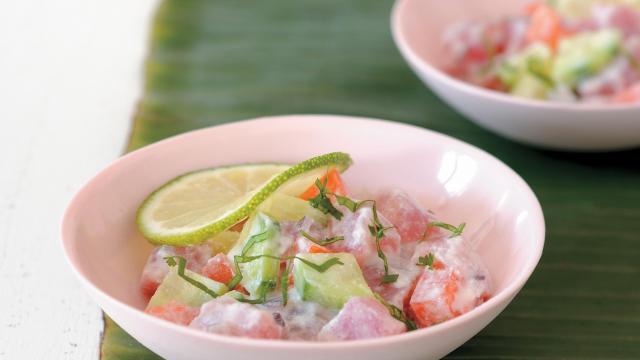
(217, 61)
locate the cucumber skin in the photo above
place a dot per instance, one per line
(334, 287)
(264, 270)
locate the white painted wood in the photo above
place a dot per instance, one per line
(70, 74)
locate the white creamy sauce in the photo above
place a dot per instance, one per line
(302, 320)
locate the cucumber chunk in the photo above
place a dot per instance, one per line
(585, 54)
(334, 287)
(530, 86)
(173, 287)
(527, 74)
(260, 236)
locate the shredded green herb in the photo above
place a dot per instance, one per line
(324, 242)
(426, 261)
(396, 313)
(350, 204)
(182, 264)
(377, 231)
(266, 286)
(255, 239)
(455, 231)
(322, 201)
(263, 290)
(321, 267)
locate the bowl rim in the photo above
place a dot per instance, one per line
(423, 66)
(502, 297)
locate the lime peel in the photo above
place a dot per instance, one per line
(161, 236)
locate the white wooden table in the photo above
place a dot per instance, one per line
(70, 75)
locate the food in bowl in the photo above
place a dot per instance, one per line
(563, 50)
(285, 252)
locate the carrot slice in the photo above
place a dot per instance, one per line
(334, 185)
(316, 249)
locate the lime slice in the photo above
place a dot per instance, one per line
(195, 206)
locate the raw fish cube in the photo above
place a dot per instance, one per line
(396, 293)
(156, 268)
(357, 237)
(457, 283)
(410, 221)
(361, 318)
(623, 18)
(472, 45)
(300, 243)
(433, 298)
(227, 316)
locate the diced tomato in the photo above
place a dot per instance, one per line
(148, 286)
(218, 268)
(545, 26)
(174, 312)
(630, 95)
(361, 318)
(334, 185)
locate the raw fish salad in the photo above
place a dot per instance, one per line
(561, 50)
(319, 266)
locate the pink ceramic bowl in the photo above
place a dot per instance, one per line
(417, 27)
(459, 182)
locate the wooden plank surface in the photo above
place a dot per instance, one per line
(218, 61)
(70, 80)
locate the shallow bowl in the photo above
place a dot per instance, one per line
(417, 27)
(457, 181)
